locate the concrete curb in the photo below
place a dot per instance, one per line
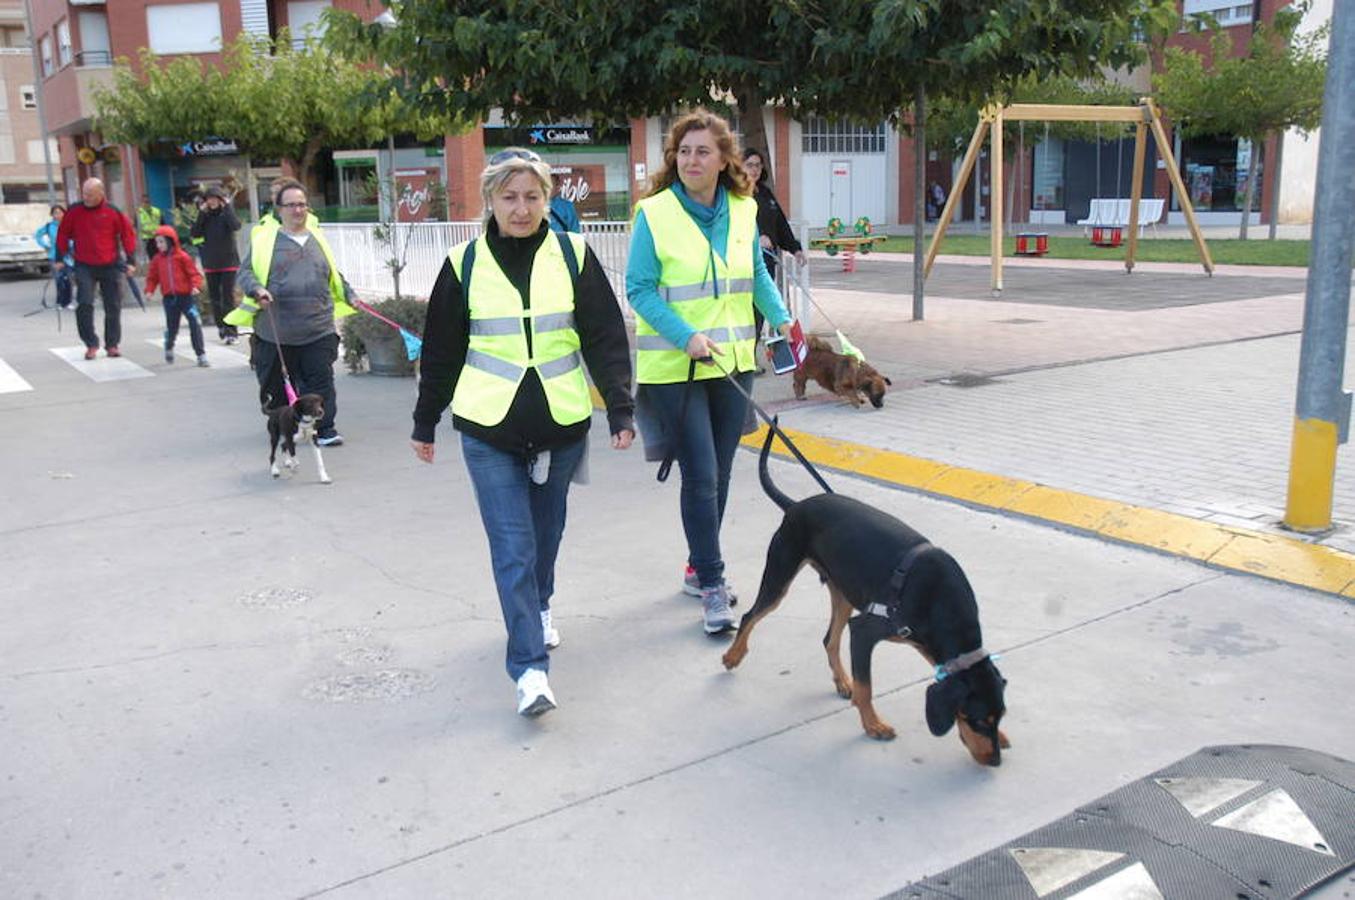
(1275, 557)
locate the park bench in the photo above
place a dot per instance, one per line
(1113, 213)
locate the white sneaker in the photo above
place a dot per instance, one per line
(534, 694)
(548, 632)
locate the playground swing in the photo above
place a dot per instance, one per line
(1144, 117)
(1028, 243)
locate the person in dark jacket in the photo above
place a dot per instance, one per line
(214, 230)
(511, 323)
(95, 229)
(176, 275)
(774, 231)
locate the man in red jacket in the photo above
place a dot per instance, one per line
(96, 229)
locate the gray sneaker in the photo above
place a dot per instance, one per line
(692, 585)
(715, 605)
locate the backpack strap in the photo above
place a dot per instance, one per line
(571, 258)
(467, 263)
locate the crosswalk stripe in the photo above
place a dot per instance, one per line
(11, 382)
(103, 368)
(219, 357)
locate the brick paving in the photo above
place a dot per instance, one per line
(1186, 408)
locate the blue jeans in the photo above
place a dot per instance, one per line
(524, 523)
(706, 440)
(177, 305)
(62, 278)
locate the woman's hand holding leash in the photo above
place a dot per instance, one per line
(700, 347)
(423, 450)
(263, 297)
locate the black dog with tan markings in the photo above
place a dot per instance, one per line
(902, 589)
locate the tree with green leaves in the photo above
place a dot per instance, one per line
(278, 101)
(1277, 84)
(608, 60)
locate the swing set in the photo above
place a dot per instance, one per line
(1144, 116)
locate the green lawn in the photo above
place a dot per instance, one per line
(1231, 252)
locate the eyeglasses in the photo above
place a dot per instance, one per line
(504, 156)
(293, 205)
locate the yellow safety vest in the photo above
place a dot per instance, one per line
(687, 285)
(261, 243)
(496, 357)
(148, 220)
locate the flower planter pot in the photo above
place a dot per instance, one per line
(386, 355)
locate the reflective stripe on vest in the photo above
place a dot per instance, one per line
(262, 240)
(719, 304)
(496, 356)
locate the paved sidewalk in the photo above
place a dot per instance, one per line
(1125, 388)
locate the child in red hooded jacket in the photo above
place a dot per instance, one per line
(176, 275)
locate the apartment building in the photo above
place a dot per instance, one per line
(23, 173)
(77, 43)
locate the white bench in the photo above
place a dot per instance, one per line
(1115, 213)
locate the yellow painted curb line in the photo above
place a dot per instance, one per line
(1272, 556)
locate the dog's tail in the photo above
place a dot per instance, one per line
(267, 404)
(765, 476)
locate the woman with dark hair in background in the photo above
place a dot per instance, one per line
(774, 232)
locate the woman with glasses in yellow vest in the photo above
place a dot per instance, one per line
(289, 274)
(514, 317)
(694, 276)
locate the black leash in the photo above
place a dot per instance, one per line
(771, 423)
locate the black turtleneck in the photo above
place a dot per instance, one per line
(528, 427)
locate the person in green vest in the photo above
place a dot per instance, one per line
(694, 276)
(293, 291)
(514, 317)
(148, 219)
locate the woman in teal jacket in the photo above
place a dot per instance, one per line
(46, 239)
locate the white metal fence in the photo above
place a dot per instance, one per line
(362, 257)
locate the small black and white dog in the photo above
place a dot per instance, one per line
(287, 423)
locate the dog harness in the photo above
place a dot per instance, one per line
(896, 583)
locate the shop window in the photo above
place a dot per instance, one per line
(28, 96)
(1215, 173)
(63, 43)
(184, 27)
(820, 135)
(1047, 180)
(45, 49)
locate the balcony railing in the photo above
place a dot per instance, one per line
(88, 58)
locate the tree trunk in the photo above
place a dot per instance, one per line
(919, 199)
(754, 131)
(1275, 185)
(1251, 188)
(306, 164)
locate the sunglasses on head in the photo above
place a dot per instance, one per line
(504, 156)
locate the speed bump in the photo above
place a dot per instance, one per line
(1241, 822)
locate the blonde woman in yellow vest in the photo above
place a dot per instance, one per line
(291, 268)
(694, 276)
(514, 318)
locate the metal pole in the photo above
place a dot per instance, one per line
(919, 198)
(42, 112)
(1322, 414)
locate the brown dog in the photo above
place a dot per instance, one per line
(848, 377)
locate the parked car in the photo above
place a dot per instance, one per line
(20, 253)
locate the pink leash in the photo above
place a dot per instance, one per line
(286, 376)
